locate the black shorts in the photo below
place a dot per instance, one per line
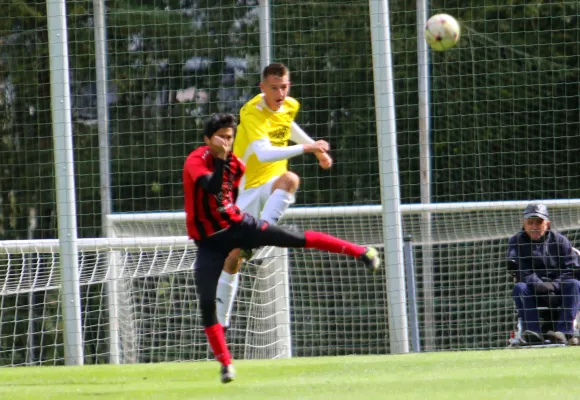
(250, 233)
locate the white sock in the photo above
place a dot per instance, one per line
(276, 205)
(225, 295)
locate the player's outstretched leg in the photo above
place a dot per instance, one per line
(322, 241)
(371, 259)
(259, 233)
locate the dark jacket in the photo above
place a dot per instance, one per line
(548, 259)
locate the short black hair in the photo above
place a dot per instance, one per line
(276, 69)
(217, 122)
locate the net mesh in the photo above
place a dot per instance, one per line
(504, 125)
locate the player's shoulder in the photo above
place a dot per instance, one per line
(291, 103)
(200, 153)
(254, 105)
(238, 161)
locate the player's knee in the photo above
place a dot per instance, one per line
(289, 182)
(570, 287)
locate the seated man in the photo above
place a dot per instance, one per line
(545, 266)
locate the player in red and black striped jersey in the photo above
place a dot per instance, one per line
(208, 184)
(211, 176)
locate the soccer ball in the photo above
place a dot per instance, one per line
(442, 32)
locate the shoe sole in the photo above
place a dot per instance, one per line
(376, 265)
(532, 340)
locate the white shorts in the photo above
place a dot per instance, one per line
(252, 200)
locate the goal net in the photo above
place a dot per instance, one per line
(503, 122)
(138, 294)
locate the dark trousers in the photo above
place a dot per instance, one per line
(213, 251)
(567, 296)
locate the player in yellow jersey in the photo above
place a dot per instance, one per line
(267, 187)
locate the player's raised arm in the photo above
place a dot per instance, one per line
(266, 152)
(212, 181)
(220, 146)
(297, 135)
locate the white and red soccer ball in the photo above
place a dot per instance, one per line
(442, 32)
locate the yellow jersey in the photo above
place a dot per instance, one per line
(258, 122)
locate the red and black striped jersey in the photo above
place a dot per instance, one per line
(207, 213)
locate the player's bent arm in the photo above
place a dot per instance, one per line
(212, 182)
(268, 153)
(297, 135)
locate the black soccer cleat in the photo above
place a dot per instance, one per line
(532, 338)
(228, 373)
(557, 337)
(371, 259)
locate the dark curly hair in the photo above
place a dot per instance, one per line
(217, 122)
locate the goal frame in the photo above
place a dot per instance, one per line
(284, 345)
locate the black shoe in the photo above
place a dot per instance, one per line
(372, 259)
(228, 373)
(532, 338)
(557, 337)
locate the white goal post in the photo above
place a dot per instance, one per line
(455, 218)
(291, 303)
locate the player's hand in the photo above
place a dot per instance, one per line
(321, 146)
(324, 160)
(221, 147)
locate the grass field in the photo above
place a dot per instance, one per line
(503, 374)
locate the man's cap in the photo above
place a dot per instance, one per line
(536, 211)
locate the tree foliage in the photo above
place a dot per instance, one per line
(504, 110)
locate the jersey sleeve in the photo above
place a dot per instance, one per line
(268, 153)
(297, 135)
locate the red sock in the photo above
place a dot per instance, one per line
(217, 341)
(322, 241)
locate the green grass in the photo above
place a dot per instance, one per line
(504, 374)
